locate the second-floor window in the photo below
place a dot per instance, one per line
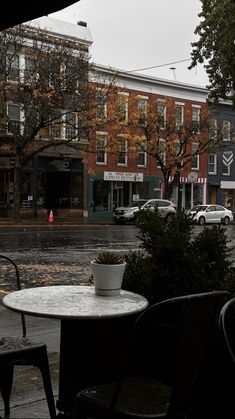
(70, 125)
(101, 108)
(55, 127)
(13, 67)
(101, 154)
(196, 112)
(161, 114)
(212, 164)
(31, 75)
(122, 152)
(13, 112)
(141, 156)
(179, 116)
(195, 159)
(122, 107)
(213, 130)
(142, 108)
(226, 130)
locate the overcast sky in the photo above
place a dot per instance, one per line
(136, 34)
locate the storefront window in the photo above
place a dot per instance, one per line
(197, 194)
(228, 198)
(101, 196)
(76, 189)
(141, 189)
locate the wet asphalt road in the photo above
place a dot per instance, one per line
(61, 255)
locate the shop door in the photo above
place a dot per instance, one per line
(57, 190)
(117, 198)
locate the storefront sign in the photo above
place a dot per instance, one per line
(184, 179)
(227, 184)
(124, 176)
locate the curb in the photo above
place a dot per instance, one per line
(55, 223)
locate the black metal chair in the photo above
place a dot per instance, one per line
(159, 383)
(23, 351)
(227, 326)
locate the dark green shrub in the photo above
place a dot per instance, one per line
(174, 261)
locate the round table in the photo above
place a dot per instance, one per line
(94, 332)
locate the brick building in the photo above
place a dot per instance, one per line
(116, 179)
(74, 186)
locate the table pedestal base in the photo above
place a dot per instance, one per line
(91, 352)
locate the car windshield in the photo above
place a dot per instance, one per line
(137, 203)
(198, 208)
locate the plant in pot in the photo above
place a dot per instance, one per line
(108, 271)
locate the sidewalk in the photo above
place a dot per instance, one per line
(28, 397)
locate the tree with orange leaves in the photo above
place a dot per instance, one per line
(46, 96)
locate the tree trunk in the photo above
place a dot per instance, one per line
(16, 189)
(167, 188)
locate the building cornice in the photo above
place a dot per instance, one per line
(155, 85)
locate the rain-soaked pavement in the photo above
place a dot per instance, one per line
(46, 256)
(61, 255)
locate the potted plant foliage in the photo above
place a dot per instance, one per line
(108, 271)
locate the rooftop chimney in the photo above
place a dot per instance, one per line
(173, 73)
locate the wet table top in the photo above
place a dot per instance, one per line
(73, 302)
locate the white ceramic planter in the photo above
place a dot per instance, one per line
(107, 278)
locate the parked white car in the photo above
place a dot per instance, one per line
(165, 208)
(203, 214)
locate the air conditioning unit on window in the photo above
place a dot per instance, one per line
(118, 185)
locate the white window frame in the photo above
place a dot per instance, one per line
(122, 112)
(179, 121)
(195, 158)
(142, 108)
(142, 155)
(196, 121)
(226, 130)
(19, 121)
(53, 131)
(213, 129)
(161, 104)
(102, 105)
(122, 150)
(214, 163)
(34, 76)
(68, 131)
(14, 68)
(101, 137)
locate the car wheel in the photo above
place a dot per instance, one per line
(226, 221)
(201, 221)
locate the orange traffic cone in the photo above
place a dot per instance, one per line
(51, 217)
